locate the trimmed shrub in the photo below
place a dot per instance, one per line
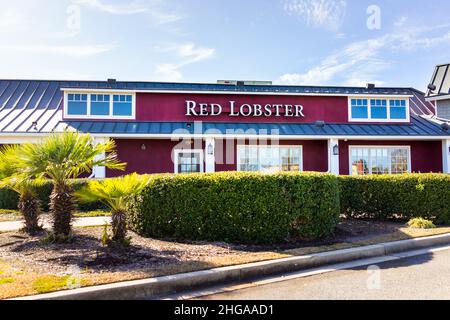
(397, 197)
(237, 207)
(421, 223)
(9, 198)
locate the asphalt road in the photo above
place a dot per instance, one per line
(419, 277)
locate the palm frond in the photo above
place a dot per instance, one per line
(113, 192)
(67, 155)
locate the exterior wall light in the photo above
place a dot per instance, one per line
(143, 147)
(336, 150)
(210, 149)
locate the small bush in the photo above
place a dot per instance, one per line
(237, 207)
(397, 197)
(420, 223)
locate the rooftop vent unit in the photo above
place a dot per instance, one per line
(244, 83)
(370, 86)
(112, 81)
(445, 126)
(319, 124)
(431, 87)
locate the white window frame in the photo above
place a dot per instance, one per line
(370, 158)
(111, 104)
(240, 146)
(199, 151)
(369, 111)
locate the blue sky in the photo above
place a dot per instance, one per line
(314, 42)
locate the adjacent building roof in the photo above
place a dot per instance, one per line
(440, 82)
(419, 126)
(35, 106)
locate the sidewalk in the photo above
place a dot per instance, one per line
(77, 222)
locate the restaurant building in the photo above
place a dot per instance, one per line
(235, 126)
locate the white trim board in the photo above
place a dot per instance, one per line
(271, 93)
(30, 136)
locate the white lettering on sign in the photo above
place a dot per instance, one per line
(244, 110)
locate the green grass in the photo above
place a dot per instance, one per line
(50, 283)
(14, 215)
(421, 223)
(96, 213)
(6, 280)
(9, 215)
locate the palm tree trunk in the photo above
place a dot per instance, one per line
(30, 208)
(119, 225)
(62, 205)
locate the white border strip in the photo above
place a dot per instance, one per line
(32, 136)
(271, 93)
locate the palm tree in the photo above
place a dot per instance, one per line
(61, 157)
(29, 205)
(114, 193)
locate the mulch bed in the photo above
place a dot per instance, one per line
(87, 252)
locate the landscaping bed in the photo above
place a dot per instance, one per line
(28, 265)
(14, 215)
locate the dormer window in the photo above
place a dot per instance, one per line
(123, 105)
(99, 105)
(398, 109)
(378, 110)
(77, 104)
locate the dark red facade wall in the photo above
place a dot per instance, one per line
(172, 107)
(156, 158)
(426, 156)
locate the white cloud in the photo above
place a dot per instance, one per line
(194, 54)
(11, 18)
(153, 8)
(361, 62)
(186, 54)
(79, 51)
(328, 14)
(119, 9)
(401, 21)
(168, 72)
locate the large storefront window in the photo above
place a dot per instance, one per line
(269, 158)
(379, 160)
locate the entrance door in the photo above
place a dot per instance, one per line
(188, 161)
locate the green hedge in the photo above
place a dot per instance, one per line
(237, 207)
(397, 197)
(9, 198)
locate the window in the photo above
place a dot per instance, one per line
(77, 104)
(359, 109)
(188, 161)
(379, 160)
(100, 105)
(122, 105)
(378, 110)
(398, 109)
(269, 158)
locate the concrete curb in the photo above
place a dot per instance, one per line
(159, 286)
